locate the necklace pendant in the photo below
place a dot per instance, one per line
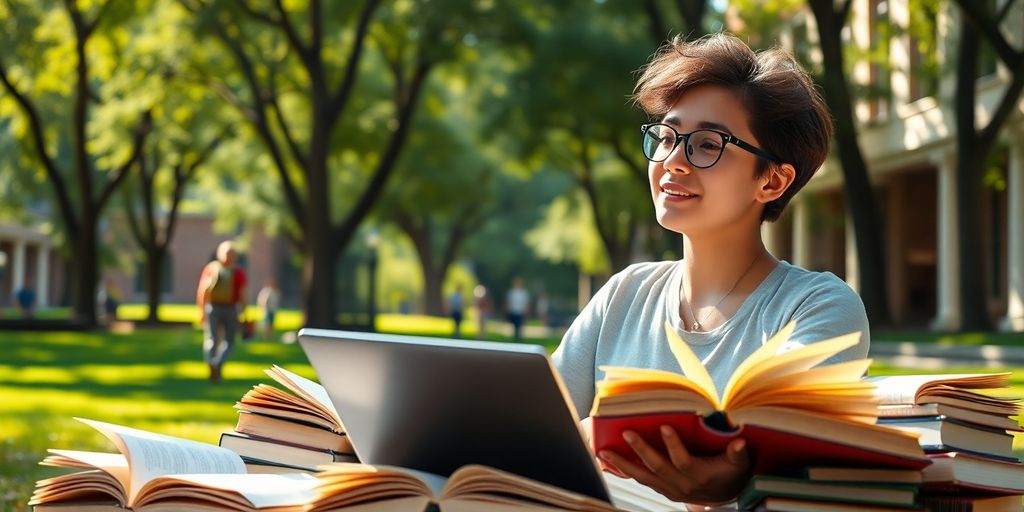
(697, 327)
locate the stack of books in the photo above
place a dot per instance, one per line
(282, 431)
(967, 434)
(793, 415)
(834, 488)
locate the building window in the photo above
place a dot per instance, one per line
(878, 74)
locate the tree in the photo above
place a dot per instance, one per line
(33, 71)
(283, 61)
(860, 198)
(582, 122)
(974, 144)
(180, 160)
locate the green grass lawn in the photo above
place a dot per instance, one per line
(153, 379)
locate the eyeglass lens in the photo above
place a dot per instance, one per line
(703, 147)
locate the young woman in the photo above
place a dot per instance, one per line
(734, 136)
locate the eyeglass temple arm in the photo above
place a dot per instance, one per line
(753, 149)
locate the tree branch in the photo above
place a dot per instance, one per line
(91, 26)
(257, 15)
(275, 106)
(655, 27)
(843, 13)
(989, 27)
(390, 154)
(1007, 104)
(285, 23)
(36, 129)
(636, 171)
(142, 130)
(340, 98)
(260, 123)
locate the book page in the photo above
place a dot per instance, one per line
(899, 389)
(303, 387)
(262, 491)
(767, 351)
(114, 464)
(691, 365)
(151, 455)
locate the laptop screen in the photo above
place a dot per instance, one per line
(435, 405)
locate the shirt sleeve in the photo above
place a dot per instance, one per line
(831, 309)
(576, 356)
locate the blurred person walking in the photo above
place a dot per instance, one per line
(517, 303)
(221, 298)
(454, 307)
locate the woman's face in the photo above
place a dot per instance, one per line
(691, 200)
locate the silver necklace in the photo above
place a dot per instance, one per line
(697, 323)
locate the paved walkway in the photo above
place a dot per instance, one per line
(934, 355)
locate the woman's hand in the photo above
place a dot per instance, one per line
(680, 476)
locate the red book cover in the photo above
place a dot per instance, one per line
(772, 452)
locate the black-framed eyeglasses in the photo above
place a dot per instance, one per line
(703, 147)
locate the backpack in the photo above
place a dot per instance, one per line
(220, 287)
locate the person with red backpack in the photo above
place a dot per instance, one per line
(221, 298)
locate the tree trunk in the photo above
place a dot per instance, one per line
(84, 274)
(433, 296)
(154, 282)
(969, 161)
(858, 194)
(320, 266)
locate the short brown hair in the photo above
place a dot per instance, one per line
(788, 116)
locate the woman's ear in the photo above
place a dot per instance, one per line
(775, 182)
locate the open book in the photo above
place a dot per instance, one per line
(910, 395)
(307, 403)
(159, 473)
(364, 488)
(791, 413)
(153, 471)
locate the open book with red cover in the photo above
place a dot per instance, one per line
(792, 412)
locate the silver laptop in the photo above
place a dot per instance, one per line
(436, 405)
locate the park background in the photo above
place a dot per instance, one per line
(375, 156)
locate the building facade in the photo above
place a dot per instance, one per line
(907, 138)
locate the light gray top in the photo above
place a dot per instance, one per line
(624, 324)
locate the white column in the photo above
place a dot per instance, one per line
(947, 270)
(18, 267)
(801, 233)
(852, 263)
(43, 275)
(1014, 320)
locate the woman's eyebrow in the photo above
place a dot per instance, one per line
(675, 121)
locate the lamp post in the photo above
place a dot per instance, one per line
(373, 243)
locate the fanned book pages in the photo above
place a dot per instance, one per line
(364, 488)
(307, 402)
(792, 412)
(158, 472)
(956, 390)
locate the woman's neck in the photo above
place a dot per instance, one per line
(719, 264)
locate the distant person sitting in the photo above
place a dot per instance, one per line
(269, 299)
(517, 302)
(221, 298)
(26, 300)
(454, 306)
(108, 297)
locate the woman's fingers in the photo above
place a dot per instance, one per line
(677, 451)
